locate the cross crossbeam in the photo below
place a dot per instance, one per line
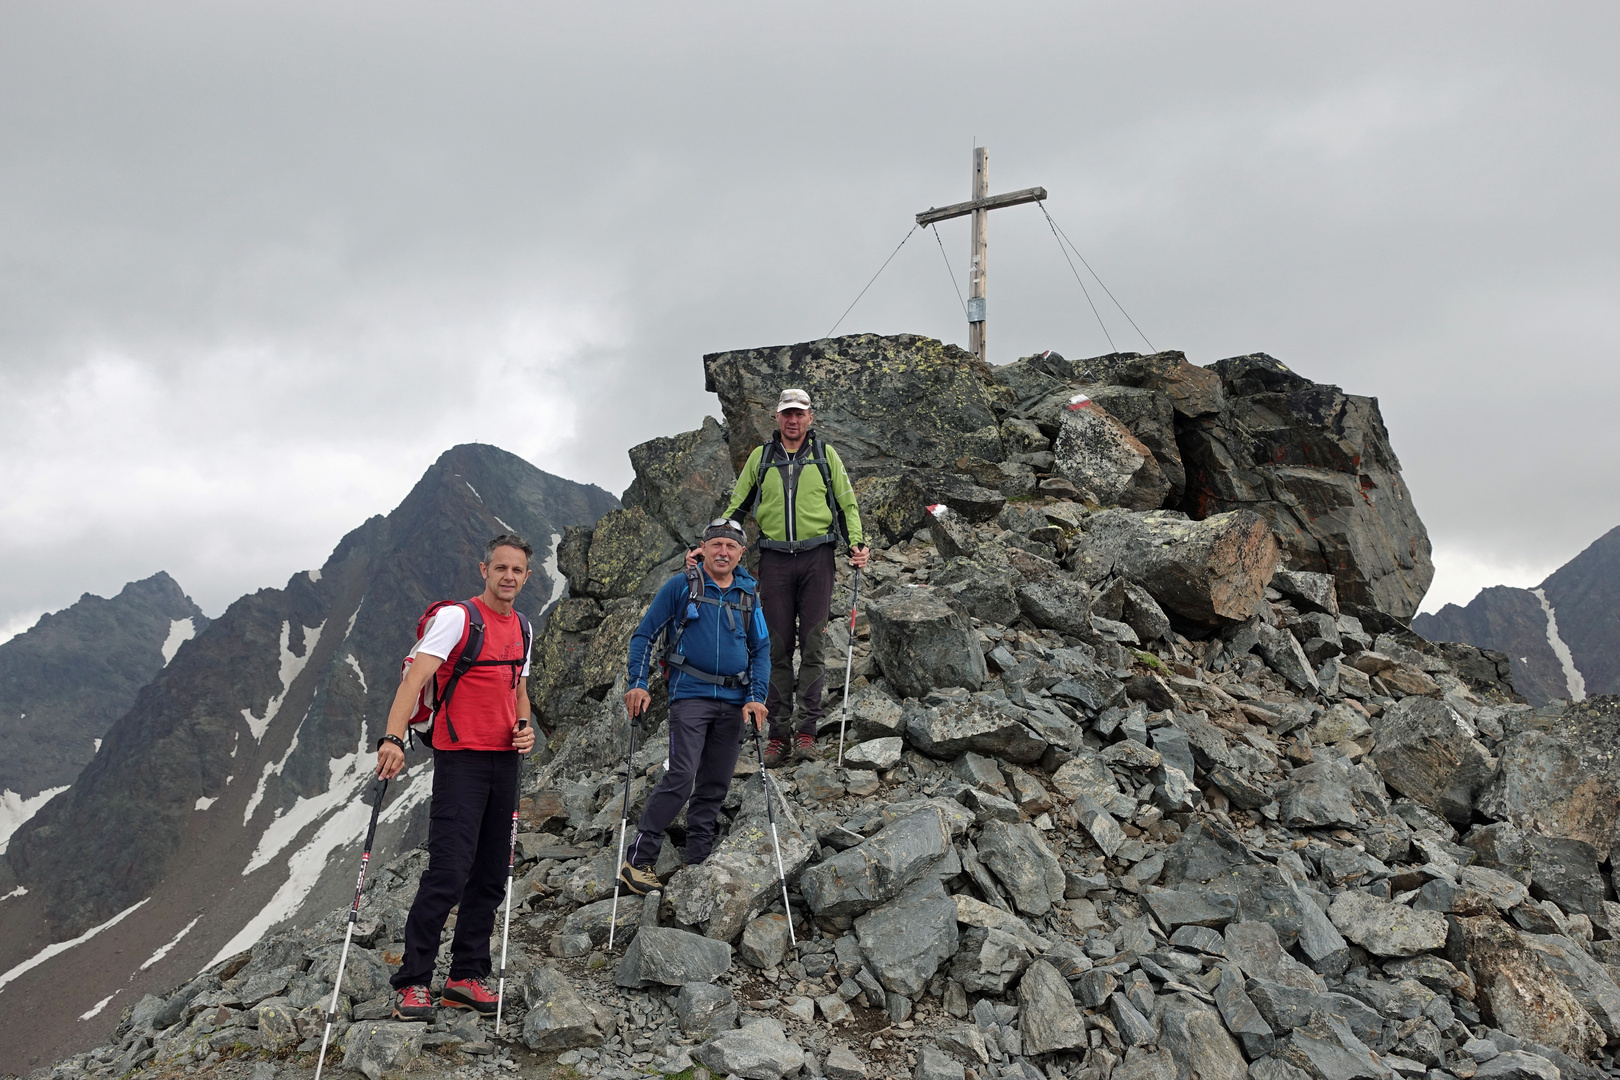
(979, 206)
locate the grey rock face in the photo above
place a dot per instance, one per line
(1319, 795)
(1018, 856)
(1047, 1018)
(1429, 754)
(1097, 453)
(1386, 929)
(997, 730)
(738, 877)
(1285, 656)
(842, 1064)
(765, 941)
(662, 954)
(704, 1010)
(874, 754)
(906, 940)
(684, 481)
(1326, 1049)
(1517, 1065)
(879, 869)
(558, 1018)
(988, 960)
(921, 643)
(1242, 1018)
(1519, 990)
(1057, 603)
(1584, 977)
(1211, 572)
(758, 1051)
(1199, 1043)
(935, 1064)
(1317, 465)
(1555, 783)
(382, 1048)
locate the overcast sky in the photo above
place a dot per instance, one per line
(261, 263)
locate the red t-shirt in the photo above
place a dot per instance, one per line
(484, 707)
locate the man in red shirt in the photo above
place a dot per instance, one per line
(475, 784)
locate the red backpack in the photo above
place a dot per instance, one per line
(434, 701)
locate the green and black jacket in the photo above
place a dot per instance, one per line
(790, 498)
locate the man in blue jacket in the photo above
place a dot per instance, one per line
(719, 666)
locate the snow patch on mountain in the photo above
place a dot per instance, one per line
(163, 950)
(357, 672)
(290, 667)
(474, 490)
(204, 802)
(63, 946)
(180, 632)
(95, 1010)
(1573, 679)
(14, 810)
(348, 773)
(559, 584)
(271, 768)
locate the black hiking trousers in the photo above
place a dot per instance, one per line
(469, 843)
(704, 741)
(795, 595)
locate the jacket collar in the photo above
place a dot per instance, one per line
(740, 579)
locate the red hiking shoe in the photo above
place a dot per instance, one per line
(804, 747)
(414, 1003)
(475, 994)
(776, 752)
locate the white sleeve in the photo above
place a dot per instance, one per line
(526, 660)
(444, 632)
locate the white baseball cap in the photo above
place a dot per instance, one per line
(793, 399)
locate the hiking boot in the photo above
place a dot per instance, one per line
(639, 879)
(414, 1003)
(776, 752)
(475, 994)
(804, 747)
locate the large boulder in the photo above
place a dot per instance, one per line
(920, 642)
(1212, 572)
(1317, 465)
(664, 955)
(740, 876)
(1386, 929)
(1518, 991)
(1047, 1018)
(683, 481)
(1151, 417)
(1098, 454)
(1564, 782)
(905, 940)
(996, 729)
(883, 402)
(1019, 857)
(558, 1017)
(759, 1050)
(878, 869)
(627, 546)
(1427, 752)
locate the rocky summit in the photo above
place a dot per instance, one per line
(1146, 778)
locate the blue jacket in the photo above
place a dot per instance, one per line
(717, 640)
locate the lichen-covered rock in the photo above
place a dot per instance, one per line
(382, 1048)
(683, 481)
(1518, 991)
(1386, 929)
(995, 729)
(1560, 783)
(704, 1010)
(558, 1019)
(883, 402)
(625, 549)
(1428, 753)
(1099, 454)
(1213, 571)
(671, 957)
(921, 643)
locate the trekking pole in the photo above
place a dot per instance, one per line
(511, 871)
(624, 823)
(381, 789)
(770, 815)
(849, 663)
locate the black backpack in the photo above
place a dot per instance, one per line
(768, 460)
(672, 656)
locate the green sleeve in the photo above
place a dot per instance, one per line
(744, 488)
(844, 492)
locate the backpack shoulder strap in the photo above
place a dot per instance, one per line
(472, 643)
(819, 451)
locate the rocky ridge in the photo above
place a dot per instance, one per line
(64, 681)
(1122, 800)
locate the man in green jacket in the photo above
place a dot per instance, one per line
(798, 492)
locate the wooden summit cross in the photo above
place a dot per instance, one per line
(979, 206)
